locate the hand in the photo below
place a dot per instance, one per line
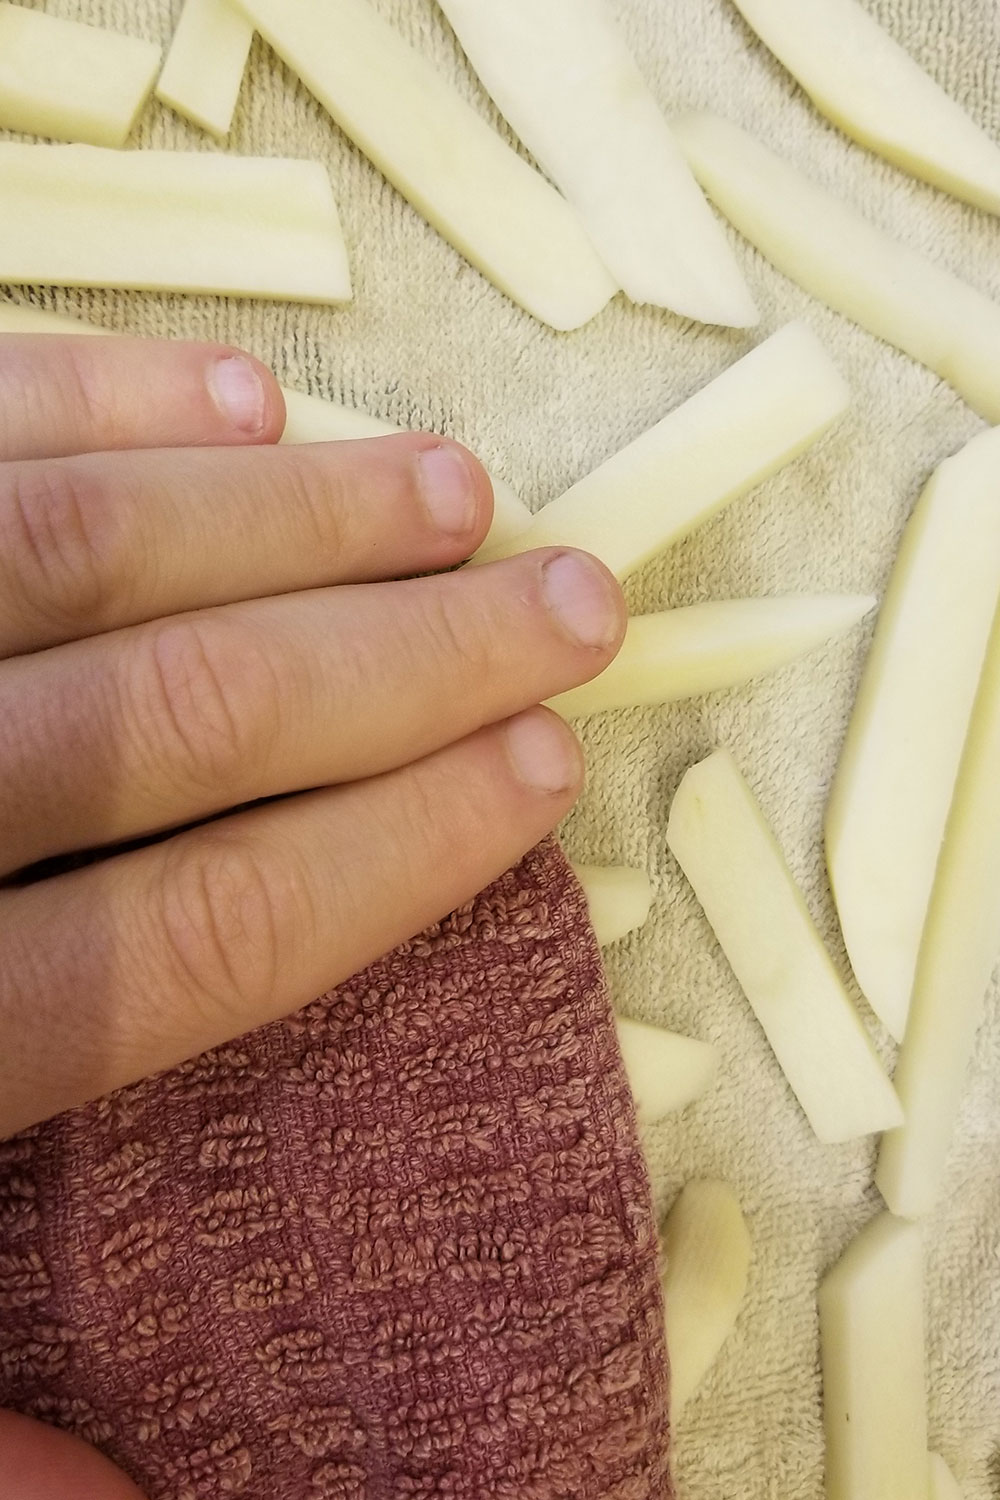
(193, 619)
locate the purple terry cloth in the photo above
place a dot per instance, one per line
(398, 1245)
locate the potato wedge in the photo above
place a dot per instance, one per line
(944, 1485)
(666, 1072)
(871, 1314)
(721, 841)
(840, 257)
(683, 653)
(203, 73)
(618, 899)
(862, 79)
(441, 155)
(960, 944)
(706, 1250)
(562, 75)
(893, 787)
(729, 437)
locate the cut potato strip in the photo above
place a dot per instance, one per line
(665, 1072)
(871, 1313)
(893, 788)
(204, 69)
(959, 947)
(944, 1485)
(183, 221)
(727, 851)
(734, 433)
(309, 419)
(682, 653)
(441, 155)
(562, 75)
(71, 82)
(829, 249)
(706, 1248)
(618, 899)
(863, 80)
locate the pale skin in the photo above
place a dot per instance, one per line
(193, 619)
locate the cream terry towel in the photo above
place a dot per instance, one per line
(428, 342)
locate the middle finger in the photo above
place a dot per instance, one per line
(146, 729)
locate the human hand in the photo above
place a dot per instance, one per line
(201, 619)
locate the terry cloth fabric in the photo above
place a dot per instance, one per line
(427, 342)
(399, 1245)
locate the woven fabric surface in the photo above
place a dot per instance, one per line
(428, 343)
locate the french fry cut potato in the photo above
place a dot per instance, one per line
(871, 1316)
(204, 69)
(441, 155)
(183, 221)
(665, 1072)
(706, 1250)
(71, 82)
(682, 653)
(863, 80)
(894, 784)
(565, 80)
(944, 1485)
(960, 943)
(829, 249)
(727, 851)
(618, 899)
(729, 437)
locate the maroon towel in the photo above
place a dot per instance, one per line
(399, 1245)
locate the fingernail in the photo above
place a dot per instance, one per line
(448, 490)
(238, 392)
(546, 757)
(580, 597)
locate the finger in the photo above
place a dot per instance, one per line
(64, 395)
(152, 728)
(115, 972)
(39, 1462)
(95, 543)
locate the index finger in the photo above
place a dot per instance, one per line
(65, 395)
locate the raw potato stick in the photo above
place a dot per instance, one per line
(565, 80)
(665, 1072)
(721, 841)
(832, 252)
(729, 437)
(944, 1486)
(706, 1249)
(204, 69)
(309, 419)
(683, 653)
(863, 80)
(960, 944)
(894, 782)
(871, 1315)
(441, 155)
(618, 899)
(71, 82)
(183, 221)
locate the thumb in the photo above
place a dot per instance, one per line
(41, 1463)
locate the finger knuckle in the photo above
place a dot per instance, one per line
(316, 495)
(63, 543)
(456, 637)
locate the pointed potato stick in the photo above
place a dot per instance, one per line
(706, 1248)
(618, 899)
(871, 1315)
(944, 1485)
(309, 419)
(960, 944)
(665, 1072)
(729, 437)
(831, 251)
(894, 783)
(71, 82)
(183, 221)
(683, 653)
(441, 155)
(719, 837)
(863, 80)
(204, 69)
(565, 80)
